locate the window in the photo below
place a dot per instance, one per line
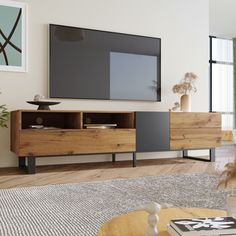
(221, 79)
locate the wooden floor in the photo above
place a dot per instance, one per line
(74, 173)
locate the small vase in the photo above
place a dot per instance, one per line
(185, 104)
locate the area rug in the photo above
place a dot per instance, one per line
(80, 209)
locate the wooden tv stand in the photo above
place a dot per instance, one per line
(43, 133)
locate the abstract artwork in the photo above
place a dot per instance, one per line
(12, 36)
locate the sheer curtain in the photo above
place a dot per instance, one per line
(222, 81)
(234, 69)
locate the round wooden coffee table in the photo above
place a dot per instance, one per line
(135, 223)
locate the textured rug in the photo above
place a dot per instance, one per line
(80, 209)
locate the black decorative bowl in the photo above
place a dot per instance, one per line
(43, 105)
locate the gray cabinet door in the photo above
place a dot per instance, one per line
(152, 131)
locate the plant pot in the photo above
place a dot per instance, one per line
(231, 205)
(185, 104)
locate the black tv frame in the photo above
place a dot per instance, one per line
(82, 28)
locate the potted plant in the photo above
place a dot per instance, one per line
(228, 180)
(4, 116)
(185, 88)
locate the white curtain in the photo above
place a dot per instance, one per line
(222, 81)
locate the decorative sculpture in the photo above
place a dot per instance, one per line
(152, 208)
(38, 97)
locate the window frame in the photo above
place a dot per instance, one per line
(211, 62)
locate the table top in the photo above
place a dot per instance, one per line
(135, 223)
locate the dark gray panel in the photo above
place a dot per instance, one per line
(152, 131)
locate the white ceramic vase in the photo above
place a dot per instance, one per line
(185, 103)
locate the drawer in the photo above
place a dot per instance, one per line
(181, 120)
(195, 138)
(78, 141)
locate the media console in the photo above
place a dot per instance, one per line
(39, 133)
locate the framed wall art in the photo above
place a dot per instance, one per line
(13, 36)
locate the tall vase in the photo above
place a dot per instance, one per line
(185, 103)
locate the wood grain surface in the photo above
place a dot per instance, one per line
(192, 130)
(195, 120)
(75, 141)
(135, 223)
(195, 138)
(15, 131)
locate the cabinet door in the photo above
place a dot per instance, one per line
(152, 131)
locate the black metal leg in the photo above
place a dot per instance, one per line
(113, 157)
(134, 159)
(31, 165)
(22, 162)
(211, 156)
(185, 153)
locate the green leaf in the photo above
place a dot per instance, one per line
(4, 116)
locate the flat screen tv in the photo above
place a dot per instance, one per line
(95, 64)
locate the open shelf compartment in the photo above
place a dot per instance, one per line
(122, 120)
(61, 120)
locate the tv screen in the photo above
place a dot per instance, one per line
(94, 64)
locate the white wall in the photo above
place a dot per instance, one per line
(183, 26)
(223, 18)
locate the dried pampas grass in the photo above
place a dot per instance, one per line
(228, 176)
(186, 85)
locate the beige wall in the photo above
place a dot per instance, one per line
(183, 26)
(223, 18)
